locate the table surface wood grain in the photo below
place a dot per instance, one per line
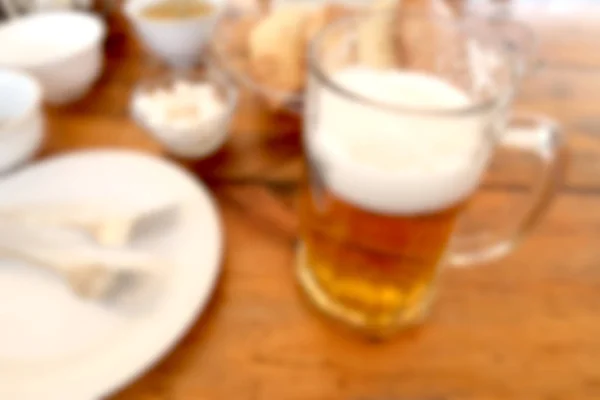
(525, 327)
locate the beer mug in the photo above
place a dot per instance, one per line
(395, 154)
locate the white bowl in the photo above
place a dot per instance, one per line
(21, 119)
(63, 50)
(199, 141)
(178, 42)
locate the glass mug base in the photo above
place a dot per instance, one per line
(371, 324)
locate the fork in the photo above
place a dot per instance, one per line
(107, 227)
(90, 277)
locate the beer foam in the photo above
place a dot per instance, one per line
(398, 162)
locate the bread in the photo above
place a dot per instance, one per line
(322, 17)
(239, 32)
(277, 48)
(376, 45)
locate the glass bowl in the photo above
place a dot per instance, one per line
(228, 49)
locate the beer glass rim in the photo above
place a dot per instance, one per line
(315, 68)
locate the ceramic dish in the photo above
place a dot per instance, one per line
(199, 140)
(53, 345)
(62, 49)
(21, 120)
(179, 42)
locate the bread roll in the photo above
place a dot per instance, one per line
(277, 48)
(321, 18)
(376, 46)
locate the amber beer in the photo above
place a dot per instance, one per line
(396, 147)
(379, 208)
(374, 270)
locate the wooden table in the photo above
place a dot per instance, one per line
(526, 327)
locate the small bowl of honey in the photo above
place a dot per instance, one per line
(175, 31)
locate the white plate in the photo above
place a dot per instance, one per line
(56, 347)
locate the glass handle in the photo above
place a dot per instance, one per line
(536, 138)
